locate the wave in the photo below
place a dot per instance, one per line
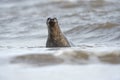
(81, 56)
(70, 56)
(97, 33)
(37, 59)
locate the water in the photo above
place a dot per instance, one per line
(93, 26)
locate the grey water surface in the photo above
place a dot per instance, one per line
(93, 26)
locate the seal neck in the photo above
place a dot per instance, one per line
(54, 32)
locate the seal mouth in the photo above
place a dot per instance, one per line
(51, 21)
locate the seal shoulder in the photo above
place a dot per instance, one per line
(60, 42)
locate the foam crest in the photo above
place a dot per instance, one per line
(84, 56)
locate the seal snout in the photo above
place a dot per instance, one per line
(51, 21)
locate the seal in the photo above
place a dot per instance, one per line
(55, 36)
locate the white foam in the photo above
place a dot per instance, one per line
(61, 72)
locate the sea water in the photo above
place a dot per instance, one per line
(93, 26)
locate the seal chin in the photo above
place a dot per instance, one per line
(52, 24)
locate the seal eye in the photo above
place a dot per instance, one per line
(48, 20)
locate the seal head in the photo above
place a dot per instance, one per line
(55, 36)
